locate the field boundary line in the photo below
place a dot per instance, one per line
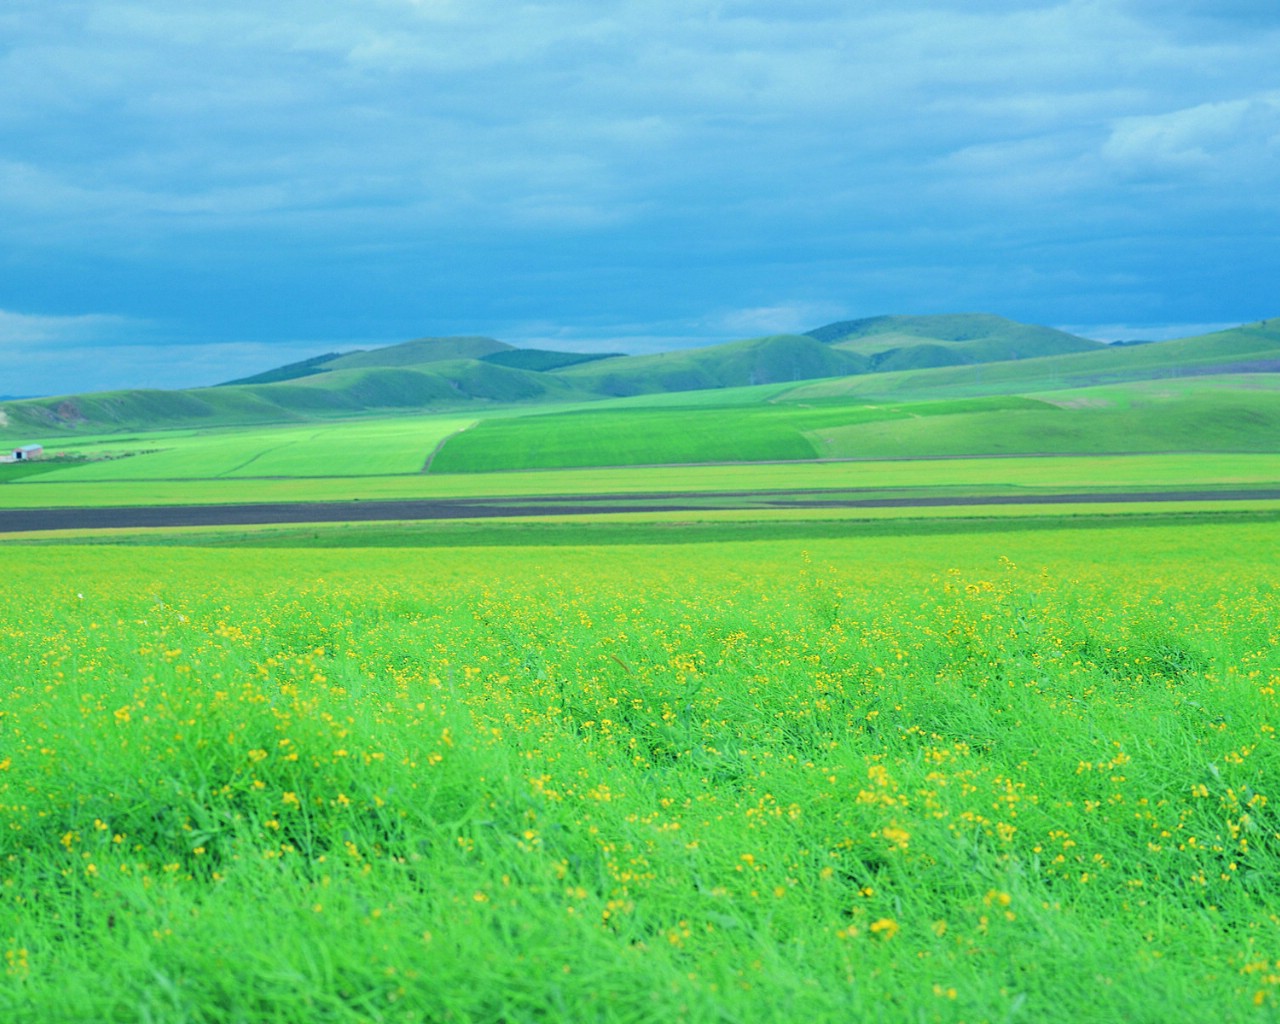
(150, 516)
(426, 466)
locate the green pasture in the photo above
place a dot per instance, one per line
(991, 776)
(664, 436)
(1206, 415)
(1225, 352)
(1211, 414)
(922, 477)
(373, 447)
(893, 360)
(760, 763)
(1218, 434)
(1215, 413)
(12, 472)
(633, 437)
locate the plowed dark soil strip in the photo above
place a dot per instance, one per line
(26, 520)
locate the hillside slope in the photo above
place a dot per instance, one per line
(919, 342)
(894, 357)
(1250, 348)
(420, 352)
(770, 360)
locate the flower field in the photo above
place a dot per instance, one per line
(1020, 776)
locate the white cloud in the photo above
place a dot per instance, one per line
(1144, 332)
(445, 110)
(21, 331)
(101, 352)
(665, 141)
(642, 338)
(75, 367)
(783, 318)
(1224, 140)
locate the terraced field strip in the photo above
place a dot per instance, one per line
(1182, 471)
(31, 520)
(667, 436)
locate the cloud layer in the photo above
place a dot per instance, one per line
(363, 172)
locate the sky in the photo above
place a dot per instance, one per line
(191, 193)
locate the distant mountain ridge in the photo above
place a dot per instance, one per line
(918, 342)
(421, 352)
(290, 371)
(460, 372)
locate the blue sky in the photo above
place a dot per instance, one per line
(189, 193)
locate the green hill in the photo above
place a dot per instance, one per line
(919, 342)
(142, 409)
(770, 360)
(1198, 414)
(1251, 348)
(290, 371)
(881, 359)
(419, 352)
(917, 357)
(543, 360)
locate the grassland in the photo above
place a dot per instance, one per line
(922, 342)
(372, 447)
(1217, 413)
(767, 763)
(882, 360)
(1232, 413)
(665, 435)
(984, 776)
(1229, 414)
(754, 361)
(1252, 348)
(886, 478)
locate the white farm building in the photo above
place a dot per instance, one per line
(27, 452)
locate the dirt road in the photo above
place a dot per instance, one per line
(142, 517)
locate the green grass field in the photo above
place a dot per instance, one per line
(953, 777)
(1102, 474)
(649, 435)
(1229, 414)
(371, 447)
(1209, 414)
(974, 763)
(1221, 353)
(884, 360)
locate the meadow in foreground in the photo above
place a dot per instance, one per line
(1020, 776)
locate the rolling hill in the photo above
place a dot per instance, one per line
(420, 352)
(1250, 348)
(920, 342)
(893, 358)
(770, 360)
